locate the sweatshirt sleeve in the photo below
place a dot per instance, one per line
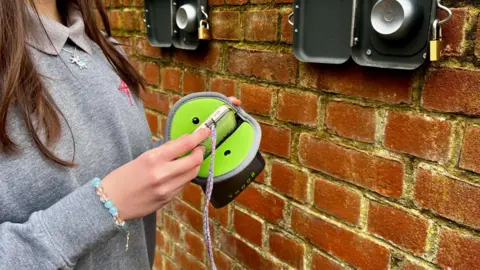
(57, 237)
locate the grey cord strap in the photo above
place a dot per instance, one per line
(206, 227)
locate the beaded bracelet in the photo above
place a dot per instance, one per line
(107, 203)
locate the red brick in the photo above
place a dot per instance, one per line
(458, 251)
(222, 261)
(152, 73)
(404, 229)
(152, 120)
(337, 200)
(188, 216)
(453, 199)
(216, 2)
(417, 135)
(392, 86)
(194, 245)
(237, 249)
(452, 90)
(286, 249)
(264, 65)
(156, 101)
(163, 122)
(351, 121)
(172, 227)
(261, 177)
(158, 260)
(341, 243)
(256, 99)
(131, 20)
(170, 266)
(471, 147)
(276, 140)
(264, 203)
(193, 82)
(171, 79)
(162, 242)
(289, 181)
(236, 2)
(143, 48)
(261, 25)
(409, 265)
(125, 43)
(224, 86)
(221, 214)
(453, 33)
(114, 17)
(260, 1)
(226, 25)
(192, 194)
(320, 262)
(187, 261)
(248, 227)
(381, 175)
(298, 107)
(286, 29)
(208, 58)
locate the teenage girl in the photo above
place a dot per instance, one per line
(80, 180)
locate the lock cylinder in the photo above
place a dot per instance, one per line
(394, 19)
(186, 17)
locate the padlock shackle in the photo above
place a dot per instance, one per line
(447, 10)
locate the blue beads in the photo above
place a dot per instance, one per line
(125, 226)
(108, 204)
(96, 182)
(113, 210)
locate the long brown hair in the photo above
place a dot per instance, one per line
(21, 85)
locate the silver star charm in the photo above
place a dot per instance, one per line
(81, 63)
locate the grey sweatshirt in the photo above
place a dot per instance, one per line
(50, 216)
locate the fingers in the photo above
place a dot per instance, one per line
(183, 179)
(235, 101)
(182, 145)
(182, 165)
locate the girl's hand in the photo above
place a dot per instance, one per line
(149, 182)
(235, 101)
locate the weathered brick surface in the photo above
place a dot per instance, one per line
(351, 121)
(340, 141)
(248, 227)
(379, 174)
(398, 226)
(337, 200)
(418, 136)
(454, 199)
(287, 249)
(470, 150)
(289, 181)
(458, 251)
(340, 242)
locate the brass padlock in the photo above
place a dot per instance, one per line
(436, 44)
(204, 31)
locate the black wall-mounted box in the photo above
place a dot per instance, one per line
(332, 32)
(163, 29)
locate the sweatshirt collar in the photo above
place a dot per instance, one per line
(50, 36)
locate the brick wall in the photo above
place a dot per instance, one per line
(370, 169)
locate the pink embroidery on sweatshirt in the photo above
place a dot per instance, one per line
(124, 88)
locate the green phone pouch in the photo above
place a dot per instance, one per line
(237, 159)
